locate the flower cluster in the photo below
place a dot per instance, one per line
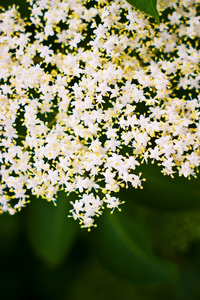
(89, 90)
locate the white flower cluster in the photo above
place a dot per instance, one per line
(89, 90)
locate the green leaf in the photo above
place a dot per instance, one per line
(51, 233)
(163, 192)
(146, 6)
(122, 244)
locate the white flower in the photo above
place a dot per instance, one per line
(87, 98)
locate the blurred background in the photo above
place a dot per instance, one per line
(149, 251)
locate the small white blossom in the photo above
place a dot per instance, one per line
(85, 100)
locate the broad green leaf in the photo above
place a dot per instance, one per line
(120, 244)
(51, 233)
(163, 192)
(146, 6)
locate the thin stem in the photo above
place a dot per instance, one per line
(21, 136)
(52, 122)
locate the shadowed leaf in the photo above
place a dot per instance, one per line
(146, 6)
(125, 250)
(50, 231)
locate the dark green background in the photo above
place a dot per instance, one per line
(151, 250)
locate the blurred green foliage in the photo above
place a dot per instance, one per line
(144, 252)
(50, 233)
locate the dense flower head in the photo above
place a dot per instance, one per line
(89, 90)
